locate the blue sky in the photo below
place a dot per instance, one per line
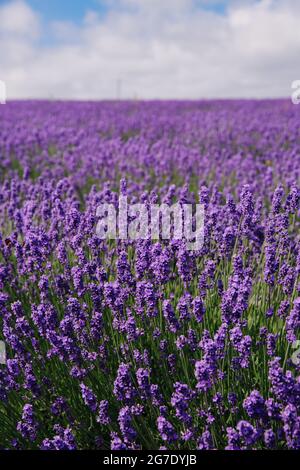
(64, 10)
(81, 49)
(75, 10)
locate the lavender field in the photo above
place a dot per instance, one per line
(123, 344)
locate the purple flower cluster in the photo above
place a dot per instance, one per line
(144, 344)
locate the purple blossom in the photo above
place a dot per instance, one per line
(89, 397)
(166, 430)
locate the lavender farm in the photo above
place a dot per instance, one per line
(144, 344)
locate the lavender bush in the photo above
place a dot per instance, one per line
(143, 344)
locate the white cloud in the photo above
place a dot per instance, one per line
(17, 19)
(169, 49)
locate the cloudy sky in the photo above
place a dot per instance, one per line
(95, 49)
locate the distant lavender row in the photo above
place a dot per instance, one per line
(127, 344)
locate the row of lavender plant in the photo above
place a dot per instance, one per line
(144, 344)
